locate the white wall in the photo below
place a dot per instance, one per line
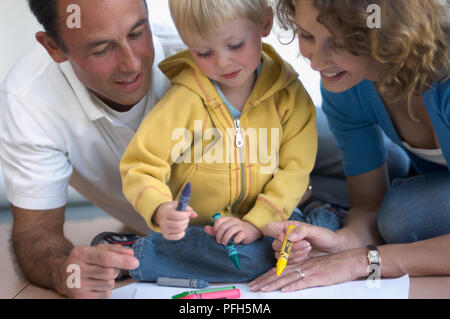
(17, 29)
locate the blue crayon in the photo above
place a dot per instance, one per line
(232, 251)
(184, 198)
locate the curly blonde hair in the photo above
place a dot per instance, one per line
(412, 43)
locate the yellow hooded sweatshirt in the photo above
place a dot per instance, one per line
(255, 168)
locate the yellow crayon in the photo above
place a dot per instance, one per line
(285, 251)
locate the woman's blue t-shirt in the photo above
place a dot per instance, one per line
(358, 115)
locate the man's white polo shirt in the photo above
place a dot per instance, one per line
(53, 132)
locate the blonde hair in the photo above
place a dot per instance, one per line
(412, 43)
(203, 17)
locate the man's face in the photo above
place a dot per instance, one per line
(112, 53)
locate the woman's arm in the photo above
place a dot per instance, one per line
(366, 193)
(422, 258)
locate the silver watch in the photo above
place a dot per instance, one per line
(374, 256)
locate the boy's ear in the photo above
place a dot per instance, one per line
(269, 23)
(52, 48)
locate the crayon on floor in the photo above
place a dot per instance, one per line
(181, 282)
(224, 294)
(202, 291)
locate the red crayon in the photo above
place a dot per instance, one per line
(224, 294)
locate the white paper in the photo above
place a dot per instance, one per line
(384, 289)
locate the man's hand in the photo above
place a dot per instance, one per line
(44, 255)
(226, 228)
(98, 266)
(173, 223)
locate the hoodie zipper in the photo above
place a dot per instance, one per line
(239, 142)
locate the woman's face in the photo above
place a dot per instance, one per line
(339, 69)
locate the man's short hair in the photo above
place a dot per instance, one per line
(46, 12)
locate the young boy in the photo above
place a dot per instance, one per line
(238, 125)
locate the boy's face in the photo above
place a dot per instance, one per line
(231, 55)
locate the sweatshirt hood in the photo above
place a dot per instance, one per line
(181, 69)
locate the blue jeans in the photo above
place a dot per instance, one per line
(199, 256)
(416, 208)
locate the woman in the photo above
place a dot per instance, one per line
(395, 79)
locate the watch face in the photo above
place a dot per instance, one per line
(373, 256)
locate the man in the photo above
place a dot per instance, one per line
(68, 119)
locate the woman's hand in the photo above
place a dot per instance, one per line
(318, 271)
(308, 240)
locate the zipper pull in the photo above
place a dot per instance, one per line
(239, 138)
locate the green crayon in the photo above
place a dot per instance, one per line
(232, 251)
(202, 291)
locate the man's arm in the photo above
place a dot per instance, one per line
(39, 244)
(44, 253)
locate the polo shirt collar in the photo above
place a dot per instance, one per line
(85, 97)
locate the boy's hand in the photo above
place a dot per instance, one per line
(226, 228)
(173, 223)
